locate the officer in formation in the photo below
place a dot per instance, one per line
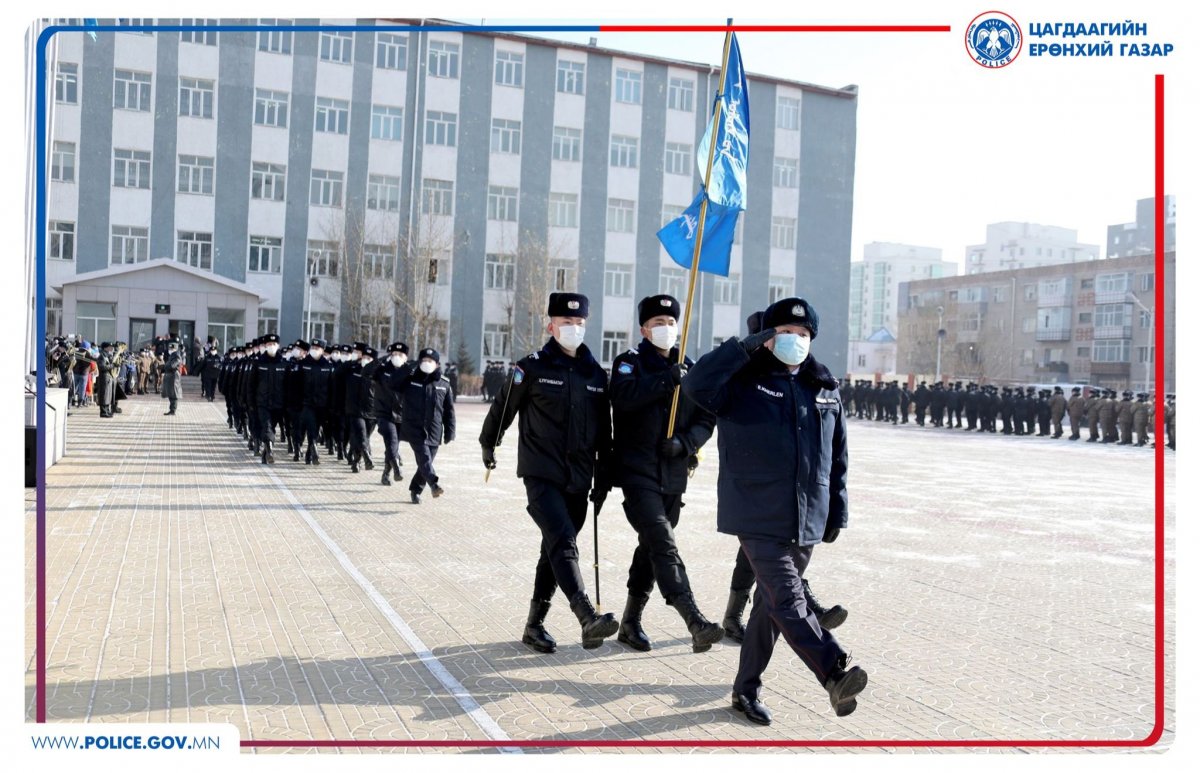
(564, 451)
(172, 384)
(493, 380)
(210, 371)
(652, 469)
(359, 407)
(427, 420)
(781, 489)
(388, 379)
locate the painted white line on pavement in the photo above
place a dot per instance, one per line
(465, 700)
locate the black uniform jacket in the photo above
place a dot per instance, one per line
(781, 440)
(566, 430)
(388, 379)
(268, 378)
(641, 391)
(427, 413)
(318, 382)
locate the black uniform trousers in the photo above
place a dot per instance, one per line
(360, 436)
(424, 454)
(313, 420)
(779, 607)
(209, 387)
(268, 420)
(654, 517)
(560, 515)
(391, 439)
(742, 580)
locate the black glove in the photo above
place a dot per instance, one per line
(752, 342)
(489, 458)
(677, 372)
(671, 448)
(831, 532)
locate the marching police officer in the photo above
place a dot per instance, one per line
(317, 375)
(210, 370)
(359, 406)
(781, 489)
(561, 393)
(270, 371)
(427, 420)
(652, 469)
(389, 378)
(172, 385)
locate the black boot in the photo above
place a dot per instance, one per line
(396, 474)
(536, 635)
(631, 624)
(595, 627)
(353, 465)
(704, 633)
(828, 618)
(733, 615)
(368, 465)
(385, 480)
(843, 686)
(267, 456)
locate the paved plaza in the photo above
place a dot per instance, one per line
(998, 588)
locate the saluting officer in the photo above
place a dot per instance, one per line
(388, 378)
(652, 469)
(427, 420)
(561, 393)
(781, 489)
(270, 370)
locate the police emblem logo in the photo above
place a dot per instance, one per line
(665, 302)
(518, 375)
(572, 305)
(993, 39)
(625, 368)
(798, 311)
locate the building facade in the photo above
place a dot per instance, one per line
(1137, 238)
(1011, 246)
(429, 186)
(875, 299)
(1083, 323)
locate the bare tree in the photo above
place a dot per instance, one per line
(423, 265)
(360, 275)
(539, 270)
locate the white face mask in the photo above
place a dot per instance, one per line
(272, 349)
(428, 367)
(664, 336)
(791, 349)
(570, 337)
(316, 353)
(397, 360)
(366, 361)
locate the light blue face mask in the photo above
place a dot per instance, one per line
(791, 349)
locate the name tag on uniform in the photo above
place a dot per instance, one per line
(827, 401)
(550, 381)
(595, 389)
(764, 390)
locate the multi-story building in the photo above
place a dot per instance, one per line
(1084, 323)
(875, 299)
(1027, 245)
(431, 186)
(1137, 238)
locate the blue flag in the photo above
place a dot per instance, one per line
(679, 236)
(727, 185)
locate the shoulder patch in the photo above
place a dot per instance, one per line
(518, 374)
(633, 351)
(625, 368)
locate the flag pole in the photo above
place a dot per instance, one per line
(712, 147)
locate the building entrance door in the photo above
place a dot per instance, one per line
(141, 333)
(185, 329)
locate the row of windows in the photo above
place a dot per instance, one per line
(131, 89)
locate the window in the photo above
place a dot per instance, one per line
(506, 136)
(618, 280)
(275, 42)
(268, 321)
(787, 172)
(322, 324)
(1027, 356)
(783, 232)
(727, 289)
(999, 294)
(129, 244)
(970, 295)
(126, 23)
(628, 88)
(1112, 283)
(441, 128)
(779, 287)
(271, 108)
(203, 37)
(322, 258)
(1113, 315)
(383, 193)
(787, 113)
(564, 210)
(1114, 350)
(131, 90)
(502, 203)
(566, 144)
(439, 271)
(563, 273)
(196, 97)
(337, 47)
(326, 188)
(96, 321)
(612, 344)
(266, 254)
(1145, 354)
(1030, 292)
(681, 94)
(387, 123)
(333, 116)
(376, 330)
(623, 152)
(62, 162)
(620, 215)
(66, 83)
(391, 51)
(131, 168)
(495, 340)
(570, 77)
(510, 69)
(54, 316)
(378, 260)
(499, 272)
(437, 197)
(1143, 319)
(678, 158)
(1028, 324)
(195, 175)
(443, 59)
(1083, 351)
(195, 249)
(1086, 284)
(673, 282)
(1085, 318)
(62, 240)
(970, 321)
(1145, 283)
(267, 181)
(671, 212)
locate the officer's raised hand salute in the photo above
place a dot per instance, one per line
(565, 441)
(781, 489)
